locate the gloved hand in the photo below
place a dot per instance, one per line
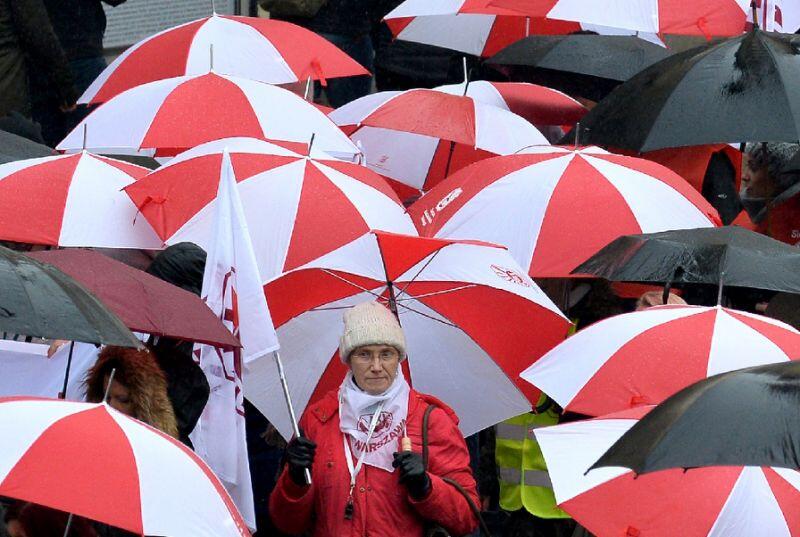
(412, 473)
(300, 455)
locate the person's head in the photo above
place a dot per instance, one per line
(40, 521)
(138, 389)
(180, 264)
(762, 175)
(372, 346)
(656, 298)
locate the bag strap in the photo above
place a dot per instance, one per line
(455, 484)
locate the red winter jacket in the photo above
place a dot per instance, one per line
(382, 505)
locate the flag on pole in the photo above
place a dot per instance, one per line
(232, 288)
(769, 13)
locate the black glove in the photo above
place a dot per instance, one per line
(412, 473)
(300, 454)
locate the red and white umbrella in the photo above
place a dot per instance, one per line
(540, 105)
(172, 115)
(555, 207)
(249, 47)
(92, 461)
(730, 501)
(418, 137)
(297, 208)
(72, 200)
(471, 317)
(699, 17)
(645, 356)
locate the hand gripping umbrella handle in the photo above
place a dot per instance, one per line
(288, 398)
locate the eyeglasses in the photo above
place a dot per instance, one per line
(367, 357)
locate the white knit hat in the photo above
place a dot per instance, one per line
(370, 323)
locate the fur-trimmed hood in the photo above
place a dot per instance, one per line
(138, 371)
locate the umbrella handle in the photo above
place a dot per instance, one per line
(287, 396)
(63, 394)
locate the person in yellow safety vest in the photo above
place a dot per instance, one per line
(525, 487)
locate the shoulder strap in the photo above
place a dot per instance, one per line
(452, 482)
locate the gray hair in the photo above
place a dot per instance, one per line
(773, 156)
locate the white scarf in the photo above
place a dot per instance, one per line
(356, 409)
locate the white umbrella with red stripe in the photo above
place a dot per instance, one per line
(92, 461)
(72, 200)
(249, 47)
(729, 501)
(471, 317)
(646, 356)
(173, 115)
(554, 207)
(418, 137)
(297, 207)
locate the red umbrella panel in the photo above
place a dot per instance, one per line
(646, 356)
(249, 47)
(556, 207)
(297, 207)
(730, 501)
(471, 317)
(143, 302)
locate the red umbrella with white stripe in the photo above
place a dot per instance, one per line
(418, 137)
(471, 317)
(555, 207)
(92, 461)
(699, 17)
(645, 356)
(730, 501)
(72, 200)
(538, 104)
(249, 47)
(297, 207)
(172, 115)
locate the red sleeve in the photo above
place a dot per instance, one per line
(291, 506)
(448, 457)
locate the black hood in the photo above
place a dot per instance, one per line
(181, 264)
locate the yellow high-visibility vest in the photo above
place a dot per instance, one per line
(524, 481)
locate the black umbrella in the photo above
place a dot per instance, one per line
(588, 65)
(730, 256)
(13, 147)
(39, 300)
(738, 90)
(747, 417)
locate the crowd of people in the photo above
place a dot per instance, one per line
(425, 477)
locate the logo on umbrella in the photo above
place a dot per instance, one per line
(429, 214)
(384, 423)
(510, 275)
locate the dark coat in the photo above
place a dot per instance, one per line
(80, 25)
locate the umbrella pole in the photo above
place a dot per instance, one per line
(63, 394)
(287, 396)
(719, 289)
(69, 525)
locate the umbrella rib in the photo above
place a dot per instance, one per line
(345, 280)
(428, 262)
(434, 293)
(447, 323)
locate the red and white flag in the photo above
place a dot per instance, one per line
(769, 13)
(232, 288)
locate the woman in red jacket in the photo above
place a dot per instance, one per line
(363, 482)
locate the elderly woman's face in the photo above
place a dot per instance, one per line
(374, 367)
(757, 183)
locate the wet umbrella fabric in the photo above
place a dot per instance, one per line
(739, 90)
(41, 301)
(745, 417)
(730, 256)
(730, 501)
(141, 301)
(13, 147)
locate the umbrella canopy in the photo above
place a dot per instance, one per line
(297, 207)
(418, 137)
(720, 421)
(580, 64)
(540, 105)
(471, 317)
(738, 90)
(554, 206)
(734, 501)
(474, 27)
(249, 47)
(141, 301)
(95, 462)
(645, 356)
(72, 200)
(700, 17)
(13, 147)
(172, 115)
(41, 301)
(730, 255)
